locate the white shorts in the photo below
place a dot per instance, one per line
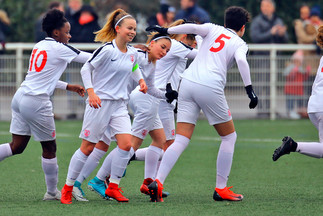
(145, 110)
(112, 117)
(166, 115)
(32, 115)
(193, 97)
(317, 119)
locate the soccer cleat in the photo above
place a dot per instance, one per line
(78, 193)
(226, 194)
(144, 188)
(156, 191)
(67, 194)
(49, 196)
(288, 146)
(114, 192)
(97, 186)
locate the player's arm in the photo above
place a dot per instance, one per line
(86, 71)
(82, 57)
(137, 77)
(71, 87)
(189, 28)
(243, 66)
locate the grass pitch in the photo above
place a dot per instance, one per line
(290, 186)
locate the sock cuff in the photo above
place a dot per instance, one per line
(49, 161)
(155, 149)
(124, 153)
(182, 139)
(230, 136)
(98, 153)
(8, 148)
(81, 154)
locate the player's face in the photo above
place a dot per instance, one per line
(159, 48)
(127, 29)
(63, 34)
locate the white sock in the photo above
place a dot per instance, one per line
(171, 155)
(76, 164)
(5, 151)
(105, 169)
(50, 169)
(119, 164)
(312, 149)
(224, 160)
(159, 161)
(91, 163)
(141, 154)
(151, 162)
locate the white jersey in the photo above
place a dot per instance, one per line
(216, 54)
(315, 103)
(166, 65)
(175, 78)
(148, 72)
(48, 61)
(112, 70)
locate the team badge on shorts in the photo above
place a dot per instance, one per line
(53, 133)
(132, 58)
(144, 132)
(86, 133)
(229, 113)
(173, 132)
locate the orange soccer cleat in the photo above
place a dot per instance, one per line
(144, 187)
(113, 191)
(67, 194)
(226, 194)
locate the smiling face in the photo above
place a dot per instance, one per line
(63, 34)
(159, 48)
(127, 29)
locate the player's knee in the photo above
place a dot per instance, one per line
(126, 146)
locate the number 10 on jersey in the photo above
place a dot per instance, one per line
(42, 53)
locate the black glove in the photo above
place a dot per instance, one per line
(170, 93)
(157, 28)
(253, 97)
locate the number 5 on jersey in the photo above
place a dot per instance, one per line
(221, 42)
(38, 67)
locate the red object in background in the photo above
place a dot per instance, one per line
(86, 18)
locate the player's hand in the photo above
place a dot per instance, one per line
(253, 97)
(157, 28)
(76, 88)
(143, 86)
(142, 47)
(170, 93)
(94, 100)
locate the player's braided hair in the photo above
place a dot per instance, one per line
(319, 37)
(53, 19)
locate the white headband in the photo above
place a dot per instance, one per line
(121, 19)
(157, 38)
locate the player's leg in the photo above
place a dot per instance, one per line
(312, 149)
(153, 154)
(16, 146)
(224, 162)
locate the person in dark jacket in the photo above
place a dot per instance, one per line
(192, 12)
(4, 29)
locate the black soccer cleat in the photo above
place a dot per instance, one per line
(156, 191)
(288, 146)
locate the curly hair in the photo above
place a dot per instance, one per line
(319, 37)
(53, 19)
(235, 17)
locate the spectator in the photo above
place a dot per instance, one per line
(163, 18)
(39, 33)
(192, 12)
(4, 29)
(72, 14)
(89, 24)
(294, 86)
(305, 34)
(265, 28)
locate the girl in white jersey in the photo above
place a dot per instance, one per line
(159, 45)
(202, 87)
(31, 105)
(315, 113)
(105, 77)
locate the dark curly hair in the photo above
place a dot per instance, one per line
(53, 19)
(235, 17)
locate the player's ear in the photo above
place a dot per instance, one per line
(55, 32)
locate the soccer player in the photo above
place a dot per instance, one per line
(315, 113)
(159, 45)
(32, 111)
(106, 76)
(202, 87)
